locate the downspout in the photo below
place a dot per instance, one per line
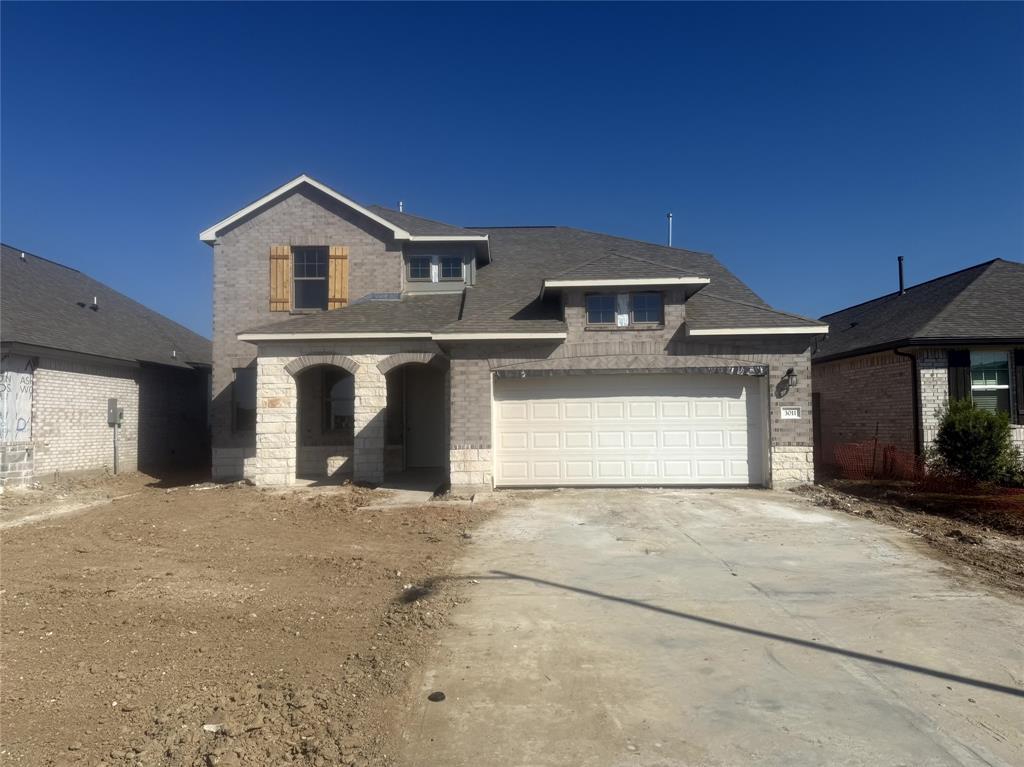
(915, 395)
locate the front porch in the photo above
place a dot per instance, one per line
(326, 416)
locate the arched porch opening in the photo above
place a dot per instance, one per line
(325, 427)
(416, 419)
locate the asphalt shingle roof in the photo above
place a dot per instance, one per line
(410, 314)
(983, 302)
(417, 225)
(507, 295)
(43, 303)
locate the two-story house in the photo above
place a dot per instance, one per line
(354, 340)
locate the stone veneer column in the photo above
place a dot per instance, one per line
(276, 415)
(371, 399)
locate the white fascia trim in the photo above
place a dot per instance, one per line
(807, 330)
(626, 281)
(445, 238)
(210, 235)
(497, 336)
(324, 336)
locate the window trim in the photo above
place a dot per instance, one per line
(325, 279)
(658, 323)
(633, 324)
(440, 269)
(586, 310)
(429, 260)
(1007, 387)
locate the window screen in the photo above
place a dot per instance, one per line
(451, 268)
(990, 380)
(419, 267)
(310, 272)
(601, 309)
(647, 308)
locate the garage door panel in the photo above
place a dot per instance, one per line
(545, 439)
(578, 439)
(544, 411)
(629, 430)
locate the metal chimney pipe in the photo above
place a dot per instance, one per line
(899, 259)
(669, 229)
(401, 207)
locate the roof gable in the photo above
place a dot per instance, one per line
(399, 224)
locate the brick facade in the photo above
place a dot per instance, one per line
(164, 422)
(271, 454)
(866, 395)
(241, 291)
(862, 397)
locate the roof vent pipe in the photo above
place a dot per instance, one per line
(401, 207)
(95, 303)
(22, 255)
(899, 259)
(669, 216)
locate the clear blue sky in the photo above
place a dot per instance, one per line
(805, 145)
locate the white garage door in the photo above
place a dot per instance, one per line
(661, 429)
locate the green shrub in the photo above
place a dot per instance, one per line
(975, 443)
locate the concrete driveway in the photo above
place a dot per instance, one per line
(727, 627)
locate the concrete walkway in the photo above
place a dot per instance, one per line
(626, 627)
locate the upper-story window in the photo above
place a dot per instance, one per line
(646, 308)
(435, 269)
(310, 277)
(601, 309)
(625, 309)
(990, 380)
(451, 268)
(419, 267)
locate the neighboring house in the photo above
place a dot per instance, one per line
(889, 365)
(355, 340)
(71, 344)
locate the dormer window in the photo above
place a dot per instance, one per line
(451, 268)
(419, 268)
(436, 269)
(646, 308)
(601, 309)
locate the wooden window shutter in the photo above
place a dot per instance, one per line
(959, 374)
(280, 278)
(337, 277)
(1018, 377)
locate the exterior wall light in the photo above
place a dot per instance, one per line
(791, 378)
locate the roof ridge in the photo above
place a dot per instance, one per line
(961, 294)
(386, 209)
(772, 309)
(896, 293)
(41, 258)
(670, 248)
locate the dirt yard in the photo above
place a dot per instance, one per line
(982, 536)
(215, 625)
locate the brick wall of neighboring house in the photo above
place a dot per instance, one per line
(933, 376)
(69, 417)
(473, 363)
(241, 290)
(164, 426)
(862, 397)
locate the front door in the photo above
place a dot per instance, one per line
(424, 417)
